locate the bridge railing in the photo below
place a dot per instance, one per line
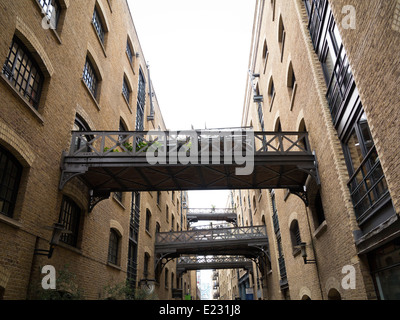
(199, 211)
(138, 143)
(222, 234)
(212, 259)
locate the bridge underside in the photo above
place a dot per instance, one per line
(187, 263)
(114, 177)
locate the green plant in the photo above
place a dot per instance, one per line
(118, 291)
(140, 145)
(123, 291)
(107, 148)
(66, 288)
(128, 146)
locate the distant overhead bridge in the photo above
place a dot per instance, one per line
(186, 263)
(248, 242)
(211, 214)
(114, 161)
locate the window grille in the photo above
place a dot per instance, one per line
(129, 51)
(125, 90)
(113, 247)
(23, 73)
(98, 25)
(51, 8)
(141, 102)
(90, 78)
(70, 217)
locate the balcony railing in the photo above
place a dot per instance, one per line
(339, 84)
(367, 185)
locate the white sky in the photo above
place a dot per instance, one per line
(198, 52)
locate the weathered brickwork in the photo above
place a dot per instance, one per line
(372, 49)
(38, 137)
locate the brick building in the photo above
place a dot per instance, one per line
(75, 65)
(330, 68)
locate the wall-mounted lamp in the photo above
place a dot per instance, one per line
(302, 247)
(58, 229)
(147, 285)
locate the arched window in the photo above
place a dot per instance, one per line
(129, 50)
(21, 69)
(81, 141)
(91, 78)
(333, 294)
(146, 265)
(291, 79)
(113, 247)
(148, 219)
(10, 176)
(52, 9)
(141, 102)
(281, 36)
(317, 210)
(126, 90)
(295, 235)
(70, 216)
(303, 142)
(271, 93)
(166, 278)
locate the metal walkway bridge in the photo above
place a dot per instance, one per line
(216, 214)
(186, 263)
(248, 242)
(114, 161)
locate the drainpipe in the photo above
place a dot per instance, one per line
(151, 115)
(315, 255)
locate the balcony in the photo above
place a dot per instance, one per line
(368, 187)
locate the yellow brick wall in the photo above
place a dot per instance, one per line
(37, 139)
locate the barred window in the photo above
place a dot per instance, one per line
(70, 216)
(113, 247)
(90, 78)
(148, 219)
(98, 25)
(295, 233)
(141, 100)
(125, 90)
(23, 72)
(51, 8)
(10, 176)
(129, 51)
